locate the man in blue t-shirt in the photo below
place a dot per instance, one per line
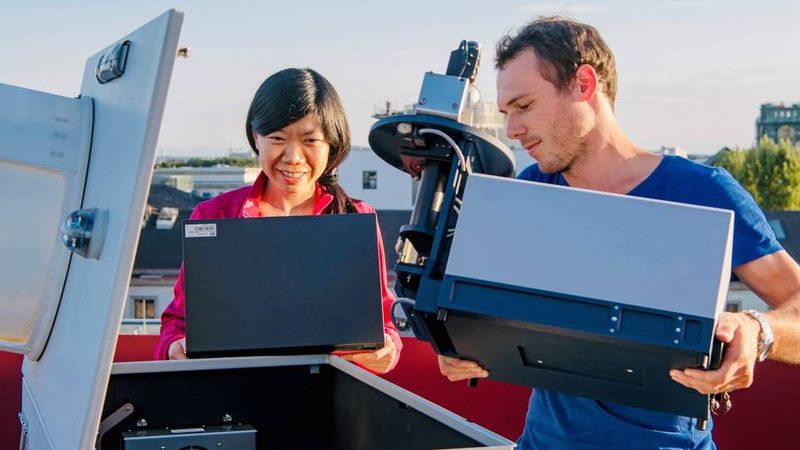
(557, 85)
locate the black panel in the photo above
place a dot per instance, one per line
(365, 418)
(578, 363)
(574, 313)
(278, 285)
(646, 323)
(290, 407)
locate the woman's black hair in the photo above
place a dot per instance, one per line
(289, 95)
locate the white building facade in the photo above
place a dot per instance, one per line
(365, 176)
(206, 182)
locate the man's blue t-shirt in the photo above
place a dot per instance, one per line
(559, 421)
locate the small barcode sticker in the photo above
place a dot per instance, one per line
(194, 230)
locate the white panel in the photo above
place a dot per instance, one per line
(68, 384)
(649, 253)
(43, 130)
(29, 240)
(44, 148)
(37, 437)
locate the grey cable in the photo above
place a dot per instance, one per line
(443, 135)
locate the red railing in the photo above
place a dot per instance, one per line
(763, 417)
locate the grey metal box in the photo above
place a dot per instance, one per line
(232, 437)
(443, 95)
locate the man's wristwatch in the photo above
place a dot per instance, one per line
(765, 338)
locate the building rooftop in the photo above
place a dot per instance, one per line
(165, 196)
(160, 250)
(780, 105)
(786, 225)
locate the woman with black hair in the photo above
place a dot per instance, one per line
(297, 127)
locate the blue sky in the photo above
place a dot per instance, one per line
(692, 73)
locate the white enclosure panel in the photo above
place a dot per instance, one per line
(650, 253)
(44, 150)
(67, 385)
(28, 240)
(37, 438)
(44, 130)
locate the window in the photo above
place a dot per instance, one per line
(785, 132)
(733, 307)
(369, 179)
(144, 308)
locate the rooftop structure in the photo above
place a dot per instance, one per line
(779, 122)
(206, 182)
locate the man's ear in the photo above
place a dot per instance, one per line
(586, 83)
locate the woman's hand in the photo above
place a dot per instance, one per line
(378, 361)
(177, 350)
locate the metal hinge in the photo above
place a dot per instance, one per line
(114, 419)
(23, 439)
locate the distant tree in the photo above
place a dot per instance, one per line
(204, 162)
(770, 172)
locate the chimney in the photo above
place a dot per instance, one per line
(166, 218)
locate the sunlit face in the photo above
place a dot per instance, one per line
(549, 123)
(294, 157)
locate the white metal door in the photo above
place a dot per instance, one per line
(63, 390)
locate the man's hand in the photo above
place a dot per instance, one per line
(459, 369)
(177, 350)
(740, 334)
(378, 361)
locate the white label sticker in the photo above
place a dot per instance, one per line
(188, 430)
(194, 230)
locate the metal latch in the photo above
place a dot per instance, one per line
(111, 64)
(84, 231)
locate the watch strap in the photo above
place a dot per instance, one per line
(765, 337)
